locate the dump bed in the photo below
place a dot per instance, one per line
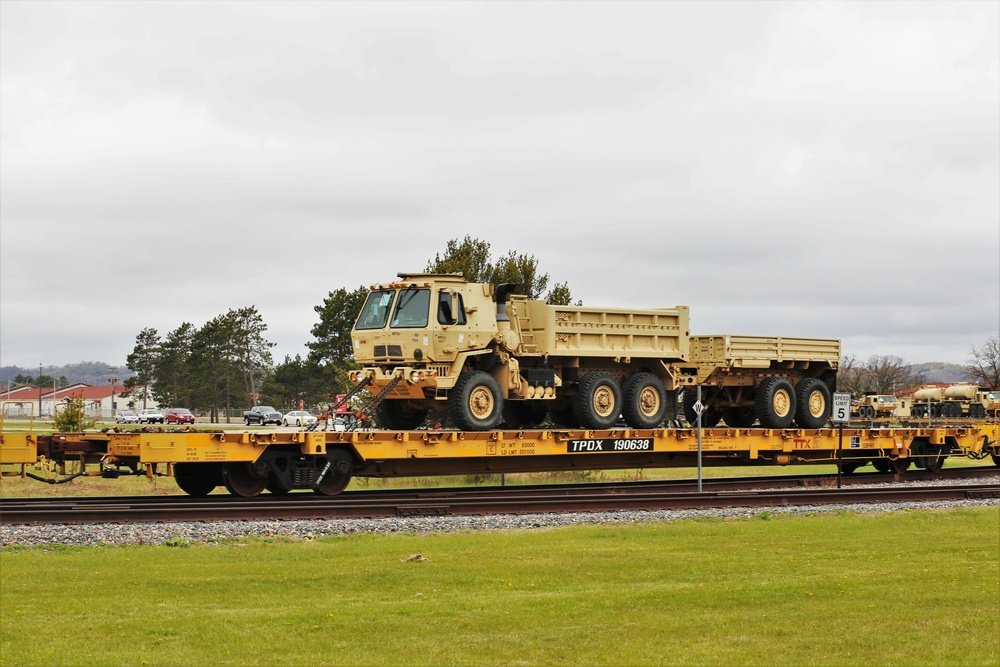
(578, 331)
(728, 351)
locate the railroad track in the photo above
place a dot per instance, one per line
(649, 495)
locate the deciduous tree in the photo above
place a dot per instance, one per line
(984, 364)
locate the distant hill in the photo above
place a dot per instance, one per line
(91, 372)
(936, 371)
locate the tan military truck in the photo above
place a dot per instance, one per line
(486, 356)
(875, 406)
(961, 399)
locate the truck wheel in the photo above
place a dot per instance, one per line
(739, 417)
(246, 421)
(524, 414)
(474, 404)
(396, 415)
(709, 418)
(644, 401)
(775, 402)
(812, 401)
(598, 401)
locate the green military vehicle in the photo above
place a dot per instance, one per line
(487, 356)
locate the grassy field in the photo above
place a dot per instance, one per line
(907, 588)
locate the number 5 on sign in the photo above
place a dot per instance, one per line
(841, 407)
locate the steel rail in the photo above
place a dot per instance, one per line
(525, 500)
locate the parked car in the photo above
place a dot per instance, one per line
(126, 417)
(298, 418)
(262, 414)
(150, 416)
(179, 416)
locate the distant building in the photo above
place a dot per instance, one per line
(99, 401)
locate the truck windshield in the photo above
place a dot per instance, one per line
(376, 310)
(411, 309)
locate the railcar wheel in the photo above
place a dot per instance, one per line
(996, 459)
(524, 414)
(739, 417)
(644, 400)
(396, 415)
(243, 479)
(335, 473)
(812, 403)
(899, 466)
(599, 401)
(775, 402)
(475, 404)
(882, 465)
(196, 479)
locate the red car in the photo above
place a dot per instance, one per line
(179, 416)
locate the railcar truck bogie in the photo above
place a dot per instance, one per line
(486, 356)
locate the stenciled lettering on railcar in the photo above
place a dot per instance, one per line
(610, 445)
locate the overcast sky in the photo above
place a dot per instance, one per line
(786, 168)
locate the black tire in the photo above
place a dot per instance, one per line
(197, 479)
(644, 401)
(709, 418)
(812, 403)
(598, 401)
(524, 414)
(246, 421)
(475, 403)
(775, 402)
(396, 415)
(739, 417)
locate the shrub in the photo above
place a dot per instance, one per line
(73, 417)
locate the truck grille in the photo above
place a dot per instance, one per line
(388, 352)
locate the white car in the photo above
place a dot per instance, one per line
(126, 417)
(298, 418)
(150, 416)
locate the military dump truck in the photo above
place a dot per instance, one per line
(486, 356)
(957, 400)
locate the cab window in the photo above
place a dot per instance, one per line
(451, 307)
(411, 310)
(376, 310)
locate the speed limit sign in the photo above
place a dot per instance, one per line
(841, 407)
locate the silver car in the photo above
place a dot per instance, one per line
(126, 417)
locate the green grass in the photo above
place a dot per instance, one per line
(907, 588)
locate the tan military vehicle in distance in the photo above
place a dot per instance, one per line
(487, 356)
(961, 399)
(876, 406)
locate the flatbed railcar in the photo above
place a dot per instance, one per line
(250, 462)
